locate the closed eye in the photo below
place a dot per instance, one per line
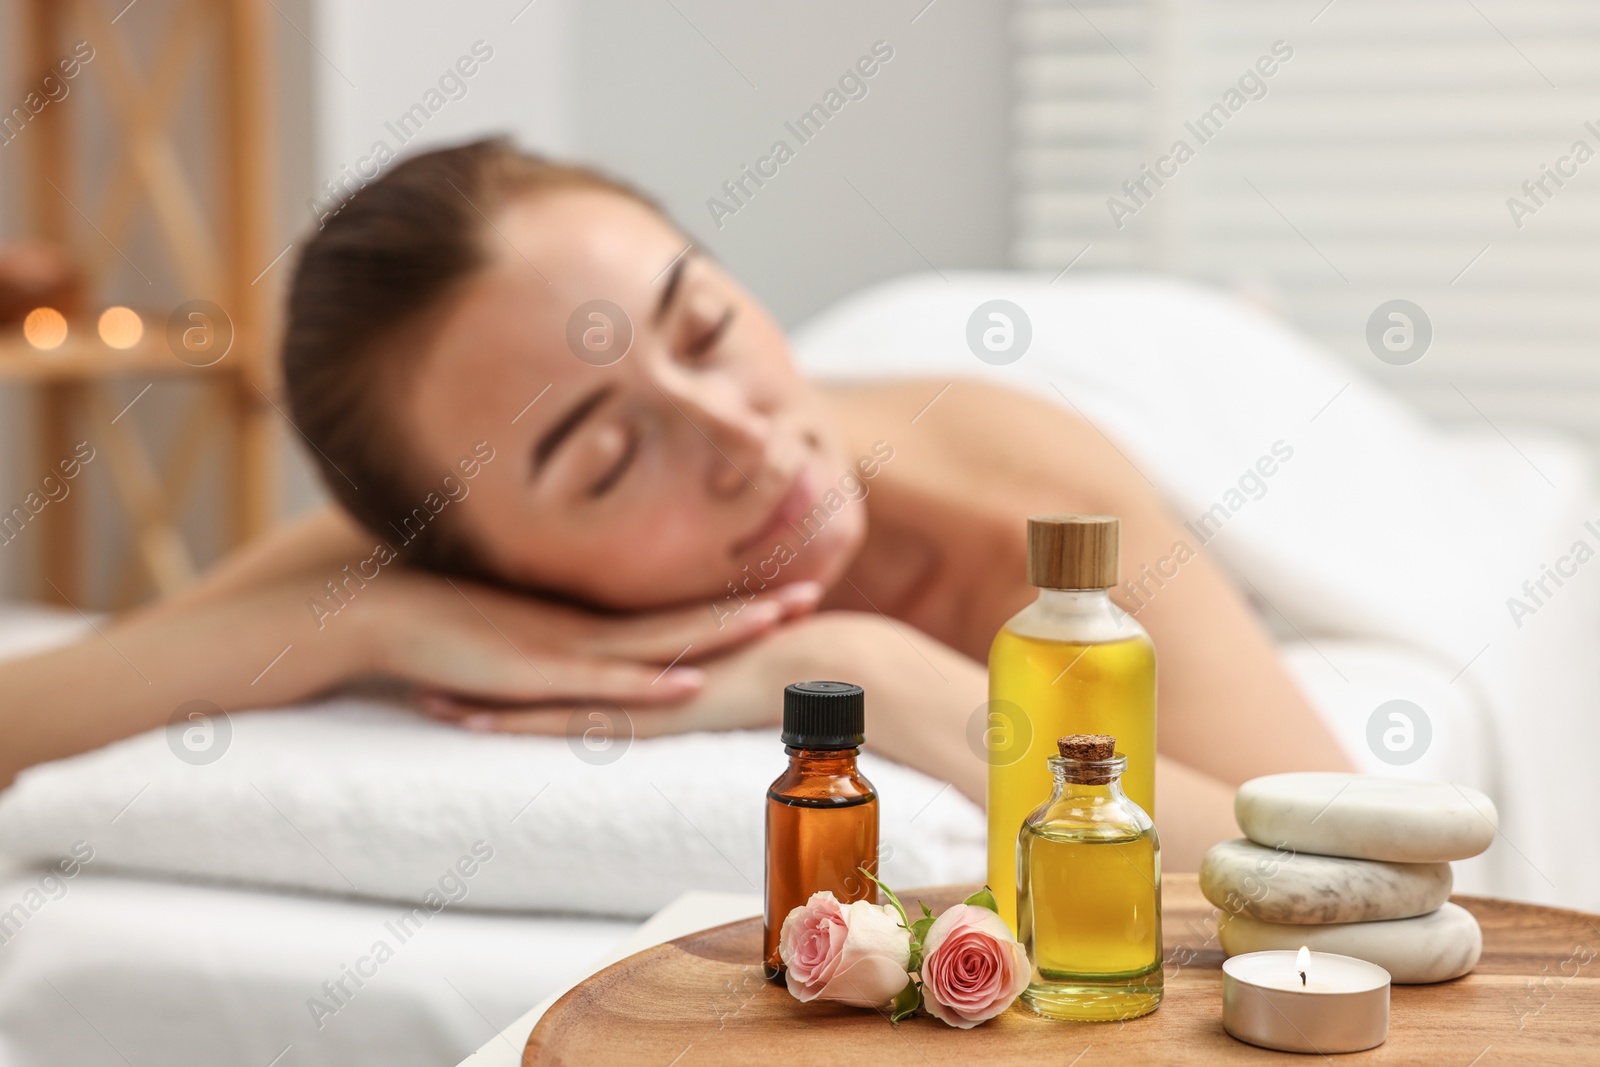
(708, 340)
(618, 469)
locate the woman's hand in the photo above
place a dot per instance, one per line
(469, 645)
(265, 644)
(920, 694)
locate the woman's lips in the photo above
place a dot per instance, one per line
(796, 501)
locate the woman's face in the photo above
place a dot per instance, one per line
(629, 474)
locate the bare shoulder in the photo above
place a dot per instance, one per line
(987, 438)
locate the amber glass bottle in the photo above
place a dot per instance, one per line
(822, 816)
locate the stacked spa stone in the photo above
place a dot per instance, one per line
(1352, 864)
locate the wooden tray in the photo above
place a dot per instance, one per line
(1534, 998)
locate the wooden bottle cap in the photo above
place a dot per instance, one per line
(1072, 551)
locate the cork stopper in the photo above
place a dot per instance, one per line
(1072, 551)
(1088, 748)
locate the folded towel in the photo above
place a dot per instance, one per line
(353, 797)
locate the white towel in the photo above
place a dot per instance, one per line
(354, 798)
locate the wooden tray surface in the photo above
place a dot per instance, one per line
(1534, 998)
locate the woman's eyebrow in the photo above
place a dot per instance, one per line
(564, 427)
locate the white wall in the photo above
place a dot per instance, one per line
(678, 96)
(373, 60)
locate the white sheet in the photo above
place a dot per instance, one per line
(1347, 679)
(697, 910)
(1380, 527)
(119, 971)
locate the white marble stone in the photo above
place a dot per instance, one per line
(1435, 947)
(1366, 816)
(1281, 886)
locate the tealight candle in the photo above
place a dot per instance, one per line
(1305, 1001)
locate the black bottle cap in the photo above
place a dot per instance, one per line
(824, 715)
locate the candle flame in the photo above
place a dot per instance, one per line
(45, 328)
(1302, 963)
(121, 327)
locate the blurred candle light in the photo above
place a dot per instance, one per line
(45, 328)
(121, 327)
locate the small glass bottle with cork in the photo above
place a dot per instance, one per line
(1072, 662)
(822, 815)
(1089, 891)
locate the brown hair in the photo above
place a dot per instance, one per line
(392, 252)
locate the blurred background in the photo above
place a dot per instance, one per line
(1412, 186)
(1383, 158)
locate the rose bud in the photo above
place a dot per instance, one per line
(853, 954)
(972, 968)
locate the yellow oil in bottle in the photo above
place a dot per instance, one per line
(1090, 917)
(1040, 689)
(1088, 890)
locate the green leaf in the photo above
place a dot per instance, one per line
(983, 898)
(925, 910)
(919, 929)
(906, 1002)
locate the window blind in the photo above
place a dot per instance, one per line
(1445, 152)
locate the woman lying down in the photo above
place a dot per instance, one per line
(572, 521)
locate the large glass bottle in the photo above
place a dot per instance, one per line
(1071, 662)
(822, 815)
(1089, 891)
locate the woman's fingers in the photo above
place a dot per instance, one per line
(513, 680)
(692, 633)
(436, 631)
(640, 683)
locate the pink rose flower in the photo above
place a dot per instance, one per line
(972, 968)
(854, 954)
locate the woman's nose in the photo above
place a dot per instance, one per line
(736, 431)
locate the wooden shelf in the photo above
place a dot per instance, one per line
(83, 356)
(210, 221)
